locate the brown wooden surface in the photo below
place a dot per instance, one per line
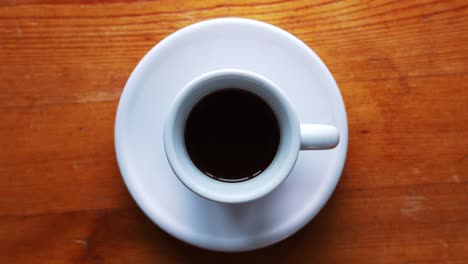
(401, 67)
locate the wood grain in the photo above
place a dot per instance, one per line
(400, 65)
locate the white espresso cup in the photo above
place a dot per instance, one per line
(293, 137)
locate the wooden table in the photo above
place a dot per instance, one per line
(402, 70)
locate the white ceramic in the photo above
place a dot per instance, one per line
(294, 136)
(144, 105)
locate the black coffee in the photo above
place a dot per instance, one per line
(232, 135)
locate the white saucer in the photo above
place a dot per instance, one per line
(169, 66)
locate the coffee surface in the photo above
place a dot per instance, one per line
(232, 135)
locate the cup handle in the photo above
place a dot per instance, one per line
(319, 136)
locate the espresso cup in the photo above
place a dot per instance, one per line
(293, 136)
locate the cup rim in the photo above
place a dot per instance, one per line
(225, 192)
